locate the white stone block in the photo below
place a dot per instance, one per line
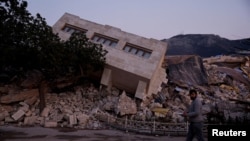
(72, 120)
(20, 113)
(50, 124)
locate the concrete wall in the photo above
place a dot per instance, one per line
(125, 70)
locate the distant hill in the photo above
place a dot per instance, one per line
(206, 45)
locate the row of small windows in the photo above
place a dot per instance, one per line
(71, 29)
(137, 51)
(105, 40)
(108, 41)
(128, 48)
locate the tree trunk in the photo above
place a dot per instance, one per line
(42, 91)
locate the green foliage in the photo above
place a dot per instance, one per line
(27, 43)
(22, 36)
(83, 54)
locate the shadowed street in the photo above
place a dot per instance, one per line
(14, 133)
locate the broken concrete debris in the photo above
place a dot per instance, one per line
(223, 88)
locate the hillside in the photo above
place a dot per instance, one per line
(206, 45)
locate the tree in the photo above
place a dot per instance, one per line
(23, 36)
(28, 43)
(84, 56)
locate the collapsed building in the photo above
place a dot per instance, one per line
(133, 63)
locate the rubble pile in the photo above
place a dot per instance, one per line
(69, 109)
(222, 82)
(225, 94)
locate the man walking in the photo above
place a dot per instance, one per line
(194, 116)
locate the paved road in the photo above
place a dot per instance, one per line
(14, 133)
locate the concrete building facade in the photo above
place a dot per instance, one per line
(133, 63)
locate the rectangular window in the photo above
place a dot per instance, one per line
(138, 51)
(146, 55)
(133, 50)
(71, 30)
(127, 48)
(105, 40)
(65, 29)
(113, 44)
(95, 39)
(101, 40)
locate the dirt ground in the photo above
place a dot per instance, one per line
(15, 133)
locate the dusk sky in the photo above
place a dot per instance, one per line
(158, 19)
